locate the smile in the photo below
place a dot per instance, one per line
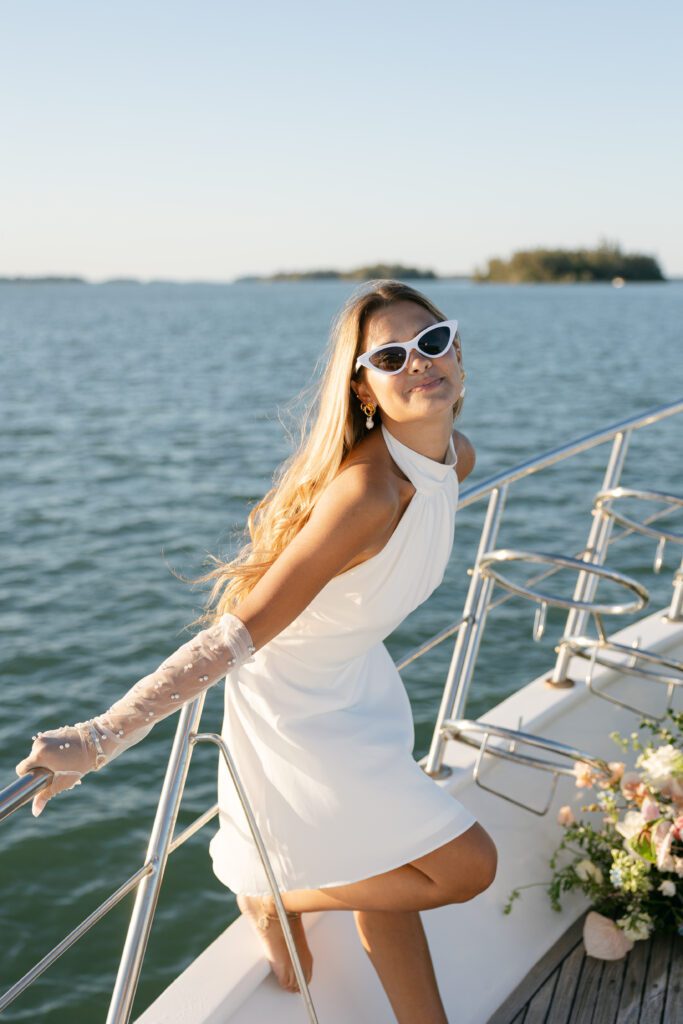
(428, 385)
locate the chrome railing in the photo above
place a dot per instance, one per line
(478, 603)
(450, 723)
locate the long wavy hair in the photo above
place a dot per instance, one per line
(332, 425)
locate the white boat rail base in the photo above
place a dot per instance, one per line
(451, 725)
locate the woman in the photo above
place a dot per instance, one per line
(355, 534)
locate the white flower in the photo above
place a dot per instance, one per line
(637, 928)
(631, 825)
(629, 828)
(660, 764)
(586, 869)
(668, 888)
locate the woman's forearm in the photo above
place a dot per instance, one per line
(72, 751)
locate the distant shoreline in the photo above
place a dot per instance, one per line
(360, 274)
(28, 280)
(606, 264)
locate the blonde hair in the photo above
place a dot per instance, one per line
(332, 425)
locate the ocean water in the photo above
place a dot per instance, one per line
(140, 424)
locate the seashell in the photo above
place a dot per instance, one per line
(603, 938)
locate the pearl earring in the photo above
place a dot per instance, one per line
(368, 410)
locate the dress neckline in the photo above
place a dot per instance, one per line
(425, 474)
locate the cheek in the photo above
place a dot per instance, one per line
(450, 364)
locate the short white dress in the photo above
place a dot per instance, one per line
(320, 725)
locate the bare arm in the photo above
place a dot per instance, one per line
(350, 514)
(466, 454)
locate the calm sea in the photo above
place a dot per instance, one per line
(140, 424)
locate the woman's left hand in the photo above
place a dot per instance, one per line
(64, 752)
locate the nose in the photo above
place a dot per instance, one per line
(417, 361)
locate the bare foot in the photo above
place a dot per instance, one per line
(273, 940)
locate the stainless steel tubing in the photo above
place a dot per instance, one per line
(598, 542)
(566, 451)
(212, 737)
(457, 727)
(604, 501)
(492, 558)
(158, 849)
(74, 935)
(468, 638)
(22, 790)
(675, 613)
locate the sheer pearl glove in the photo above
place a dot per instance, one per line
(71, 751)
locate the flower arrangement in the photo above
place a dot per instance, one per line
(631, 866)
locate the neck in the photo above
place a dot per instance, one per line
(428, 437)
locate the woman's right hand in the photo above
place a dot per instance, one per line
(65, 753)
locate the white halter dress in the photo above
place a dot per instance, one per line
(320, 725)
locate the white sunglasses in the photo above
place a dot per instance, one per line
(433, 342)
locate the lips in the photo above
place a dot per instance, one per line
(427, 385)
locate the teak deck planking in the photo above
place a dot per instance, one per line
(568, 987)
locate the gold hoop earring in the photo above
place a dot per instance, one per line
(369, 411)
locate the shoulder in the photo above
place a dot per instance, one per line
(362, 495)
(467, 456)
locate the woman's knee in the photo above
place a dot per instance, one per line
(464, 867)
(487, 861)
(480, 871)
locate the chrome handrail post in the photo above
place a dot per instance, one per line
(469, 637)
(147, 895)
(598, 541)
(675, 612)
(212, 737)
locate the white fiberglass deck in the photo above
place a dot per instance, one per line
(480, 954)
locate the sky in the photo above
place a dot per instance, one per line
(207, 140)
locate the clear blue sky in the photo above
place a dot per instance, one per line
(206, 140)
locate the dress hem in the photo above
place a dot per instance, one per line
(436, 840)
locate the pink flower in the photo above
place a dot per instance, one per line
(565, 815)
(585, 775)
(642, 792)
(617, 770)
(663, 835)
(630, 781)
(678, 827)
(677, 793)
(649, 809)
(632, 787)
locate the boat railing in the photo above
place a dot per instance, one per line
(450, 723)
(478, 602)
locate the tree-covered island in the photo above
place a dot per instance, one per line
(605, 263)
(393, 270)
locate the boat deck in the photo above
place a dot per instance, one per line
(568, 987)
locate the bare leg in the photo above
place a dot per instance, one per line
(453, 873)
(275, 946)
(403, 885)
(396, 943)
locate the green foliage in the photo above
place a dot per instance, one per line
(617, 868)
(396, 271)
(604, 263)
(388, 270)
